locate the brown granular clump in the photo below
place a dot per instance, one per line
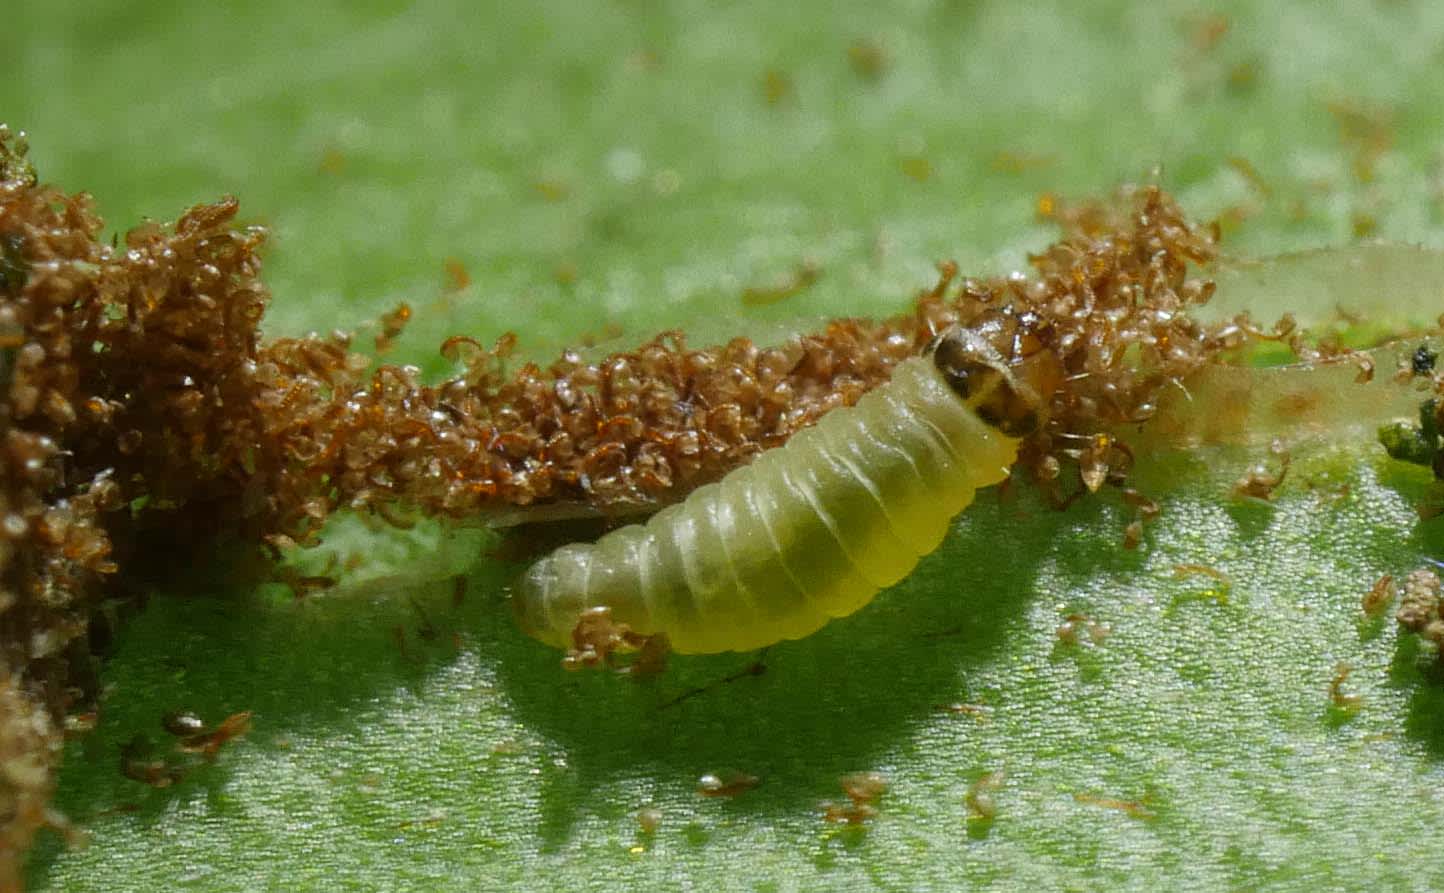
(29, 750)
(269, 438)
(52, 554)
(1107, 305)
(129, 377)
(1419, 608)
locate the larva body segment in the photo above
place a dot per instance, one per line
(809, 531)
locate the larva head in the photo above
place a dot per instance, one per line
(987, 383)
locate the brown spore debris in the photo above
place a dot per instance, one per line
(132, 376)
(862, 790)
(1366, 129)
(1259, 483)
(1339, 699)
(802, 277)
(1080, 629)
(1218, 593)
(979, 712)
(1137, 809)
(597, 640)
(777, 87)
(649, 819)
(1103, 322)
(726, 784)
(1419, 608)
(1145, 509)
(1379, 596)
(980, 800)
(141, 761)
(208, 742)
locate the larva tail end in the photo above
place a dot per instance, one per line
(529, 602)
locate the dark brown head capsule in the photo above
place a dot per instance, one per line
(978, 374)
(1423, 360)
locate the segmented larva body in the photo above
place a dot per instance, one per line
(808, 531)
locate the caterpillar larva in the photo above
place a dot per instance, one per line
(809, 531)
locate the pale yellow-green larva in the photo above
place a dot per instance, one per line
(809, 531)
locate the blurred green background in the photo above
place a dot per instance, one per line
(638, 165)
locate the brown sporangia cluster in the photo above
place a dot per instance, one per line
(1420, 608)
(138, 404)
(309, 428)
(52, 553)
(1105, 315)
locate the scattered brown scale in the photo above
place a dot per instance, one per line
(1135, 808)
(1187, 570)
(182, 723)
(457, 277)
(1341, 701)
(1218, 594)
(976, 711)
(868, 58)
(862, 790)
(1147, 509)
(138, 762)
(1260, 483)
(209, 742)
(1379, 596)
(777, 87)
(649, 819)
(80, 724)
(1251, 175)
(727, 784)
(1075, 627)
(1133, 534)
(803, 277)
(597, 640)
(1367, 130)
(392, 325)
(982, 806)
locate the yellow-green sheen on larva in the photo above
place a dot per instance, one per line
(809, 531)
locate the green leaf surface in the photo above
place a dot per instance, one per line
(619, 164)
